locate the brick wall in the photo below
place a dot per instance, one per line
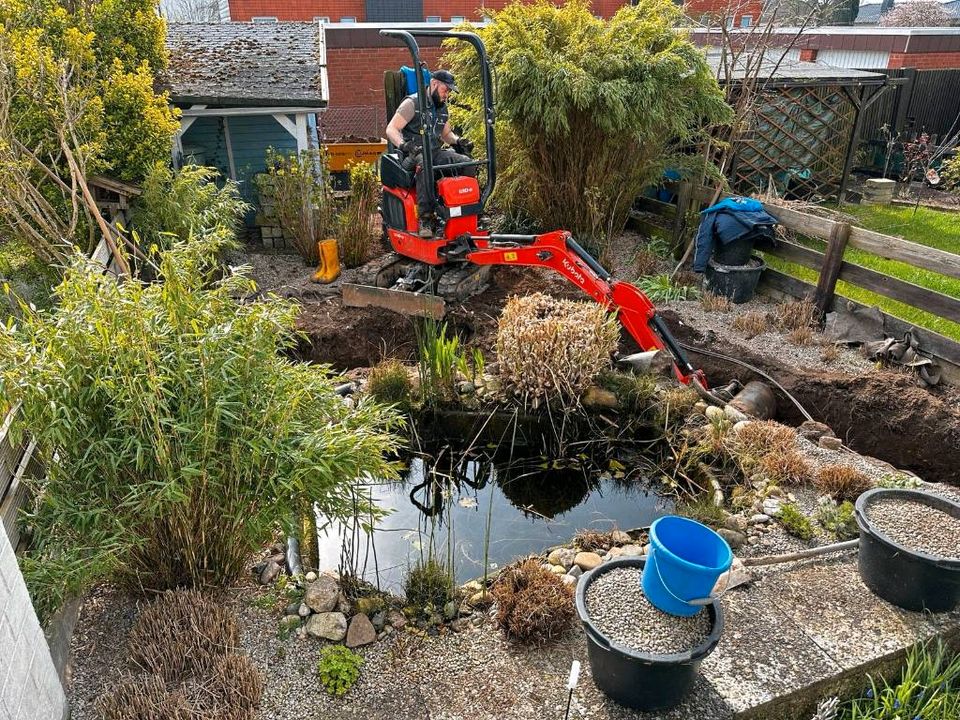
(738, 8)
(336, 9)
(925, 61)
(297, 9)
(29, 684)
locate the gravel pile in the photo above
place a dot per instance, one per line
(617, 606)
(917, 526)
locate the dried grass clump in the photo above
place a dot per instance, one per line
(752, 323)
(646, 263)
(787, 468)
(829, 353)
(145, 698)
(233, 689)
(389, 382)
(550, 349)
(715, 303)
(533, 604)
(801, 336)
(842, 482)
(183, 633)
(675, 405)
(593, 540)
(762, 437)
(796, 315)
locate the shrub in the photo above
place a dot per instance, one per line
(550, 350)
(533, 604)
(358, 223)
(645, 263)
(715, 303)
(702, 508)
(795, 522)
(590, 111)
(950, 171)
(175, 205)
(760, 437)
(302, 196)
(841, 482)
(838, 520)
(429, 582)
(175, 432)
(338, 669)
(916, 13)
(145, 698)
(661, 288)
(389, 383)
(787, 468)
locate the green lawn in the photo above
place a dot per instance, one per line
(934, 228)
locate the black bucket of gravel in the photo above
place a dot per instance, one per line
(910, 548)
(641, 657)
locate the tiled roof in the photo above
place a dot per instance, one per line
(234, 63)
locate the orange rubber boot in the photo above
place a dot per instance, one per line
(329, 268)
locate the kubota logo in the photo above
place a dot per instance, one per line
(572, 269)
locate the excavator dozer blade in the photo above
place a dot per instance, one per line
(399, 301)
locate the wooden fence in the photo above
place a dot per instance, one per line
(17, 462)
(831, 267)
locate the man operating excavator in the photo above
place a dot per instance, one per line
(407, 135)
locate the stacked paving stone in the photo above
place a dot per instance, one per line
(878, 191)
(272, 235)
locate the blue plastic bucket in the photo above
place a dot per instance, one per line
(686, 559)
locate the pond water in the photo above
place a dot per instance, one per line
(445, 505)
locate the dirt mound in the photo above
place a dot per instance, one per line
(879, 413)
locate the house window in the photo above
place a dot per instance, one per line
(263, 19)
(433, 18)
(730, 23)
(746, 21)
(348, 19)
(325, 19)
(457, 19)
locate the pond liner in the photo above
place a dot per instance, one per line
(641, 681)
(908, 578)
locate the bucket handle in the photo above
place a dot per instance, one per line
(696, 601)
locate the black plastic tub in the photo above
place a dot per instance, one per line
(734, 282)
(639, 680)
(735, 252)
(908, 578)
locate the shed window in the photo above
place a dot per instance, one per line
(746, 21)
(457, 19)
(433, 18)
(263, 19)
(348, 19)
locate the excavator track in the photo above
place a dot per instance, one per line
(460, 283)
(384, 271)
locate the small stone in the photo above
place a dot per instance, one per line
(586, 560)
(292, 609)
(813, 430)
(379, 621)
(597, 397)
(646, 550)
(759, 518)
(771, 506)
(575, 571)
(322, 595)
(460, 624)
(558, 569)
(474, 586)
(614, 553)
(269, 573)
(735, 539)
(739, 426)
(700, 407)
(482, 598)
(361, 632)
(753, 540)
(397, 620)
(631, 551)
(450, 610)
(466, 387)
(343, 605)
(714, 413)
(735, 522)
(304, 610)
(560, 556)
(328, 625)
(569, 580)
(791, 497)
(310, 576)
(828, 442)
(734, 415)
(290, 621)
(620, 537)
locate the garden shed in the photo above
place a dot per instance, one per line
(243, 88)
(803, 128)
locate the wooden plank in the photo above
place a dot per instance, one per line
(793, 253)
(400, 301)
(16, 496)
(830, 270)
(802, 222)
(919, 297)
(794, 287)
(893, 248)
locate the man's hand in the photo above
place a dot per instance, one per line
(463, 146)
(410, 147)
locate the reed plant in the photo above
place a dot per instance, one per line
(176, 432)
(358, 225)
(439, 359)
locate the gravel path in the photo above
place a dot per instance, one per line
(917, 526)
(617, 606)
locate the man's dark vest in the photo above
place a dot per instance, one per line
(437, 117)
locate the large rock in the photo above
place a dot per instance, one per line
(361, 631)
(631, 551)
(813, 430)
(269, 572)
(587, 560)
(735, 539)
(328, 625)
(396, 619)
(322, 594)
(620, 537)
(560, 556)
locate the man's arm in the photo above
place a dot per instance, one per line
(447, 135)
(399, 121)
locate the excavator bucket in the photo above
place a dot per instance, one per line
(400, 301)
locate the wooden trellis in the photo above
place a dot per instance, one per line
(797, 140)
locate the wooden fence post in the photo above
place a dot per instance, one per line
(684, 196)
(830, 271)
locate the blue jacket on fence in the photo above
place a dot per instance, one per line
(730, 219)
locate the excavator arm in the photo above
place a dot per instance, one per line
(560, 252)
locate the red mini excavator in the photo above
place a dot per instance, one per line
(456, 262)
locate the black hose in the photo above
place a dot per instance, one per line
(755, 369)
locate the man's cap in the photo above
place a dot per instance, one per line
(446, 77)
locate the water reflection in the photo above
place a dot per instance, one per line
(446, 504)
